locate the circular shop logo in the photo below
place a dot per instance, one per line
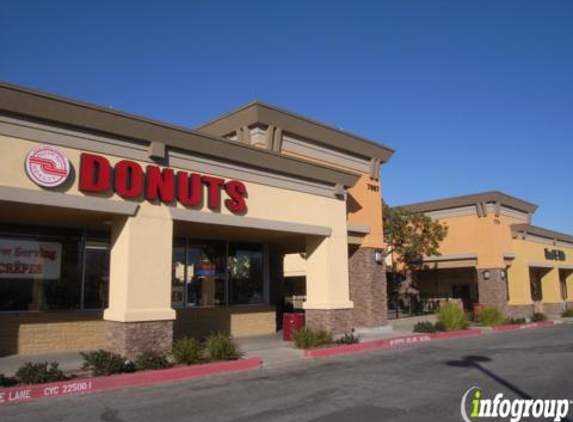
(47, 166)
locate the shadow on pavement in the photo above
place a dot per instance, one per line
(473, 361)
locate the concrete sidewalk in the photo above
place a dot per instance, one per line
(69, 361)
(276, 352)
(270, 348)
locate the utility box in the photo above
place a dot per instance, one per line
(291, 323)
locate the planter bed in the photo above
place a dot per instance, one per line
(24, 393)
(387, 343)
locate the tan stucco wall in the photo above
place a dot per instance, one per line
(364, 203)
(141, 254)
(530, 252)
(294, 265)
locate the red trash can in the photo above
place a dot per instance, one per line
(292, 323)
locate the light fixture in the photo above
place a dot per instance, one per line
(486, 275)
(378, 256)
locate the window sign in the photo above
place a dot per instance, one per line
(26, 259)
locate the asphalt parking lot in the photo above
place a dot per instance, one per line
(422, 382)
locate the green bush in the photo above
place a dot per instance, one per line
(222, 347)
(7, 381)
(439, 326)
(567, 313)
(425, 327)
(515, 321)
(188, 351)
(538, 317)
(452, 317)
(307, 338)
(348, 338)
(491, 316)
(39, 373)
(102, 362)
(150, 359)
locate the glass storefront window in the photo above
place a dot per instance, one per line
(52, 269)
(563, 284)
(178, 274)
(535, 276)
(245, 266)
(206, 273)
(96, 276)
(211, 273)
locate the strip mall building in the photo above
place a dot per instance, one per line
(121, 232)
(492, 255)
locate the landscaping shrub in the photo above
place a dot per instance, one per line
(516, 321)
(150, 359)
(491, 316)
(102, 362)
(439, 326)
(538, 317)
(187, 351)
(39, 373)
(307, 338)
(222, 347)
(425, 327)
(348, 338)
(567, 313)
(452, 317)
(7, 381)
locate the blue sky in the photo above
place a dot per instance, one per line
(473, 95)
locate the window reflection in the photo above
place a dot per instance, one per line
(211, 273)
(245, 263)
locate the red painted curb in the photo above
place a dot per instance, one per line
(388, 343)
(89, 385)
(515, 327)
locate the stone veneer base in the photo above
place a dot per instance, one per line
(367, 289)
(131, 338)
(519, 311)
(492, 291)
(526, 311)
(553, 309)
(335, 321)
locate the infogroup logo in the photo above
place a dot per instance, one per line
(513, 410)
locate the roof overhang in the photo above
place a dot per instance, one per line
(34, 105)
(517, 229)
(265, 114)
(467, 200)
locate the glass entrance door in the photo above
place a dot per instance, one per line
(206, 273)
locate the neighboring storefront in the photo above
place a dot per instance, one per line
(122, 232)
(494, 256)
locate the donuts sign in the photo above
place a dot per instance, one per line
(130, 181)
(47, 166)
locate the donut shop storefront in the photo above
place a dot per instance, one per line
(125, 233)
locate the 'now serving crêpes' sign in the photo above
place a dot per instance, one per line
(30, 259)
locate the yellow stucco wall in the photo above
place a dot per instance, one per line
(489, 237)
(530, 252)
